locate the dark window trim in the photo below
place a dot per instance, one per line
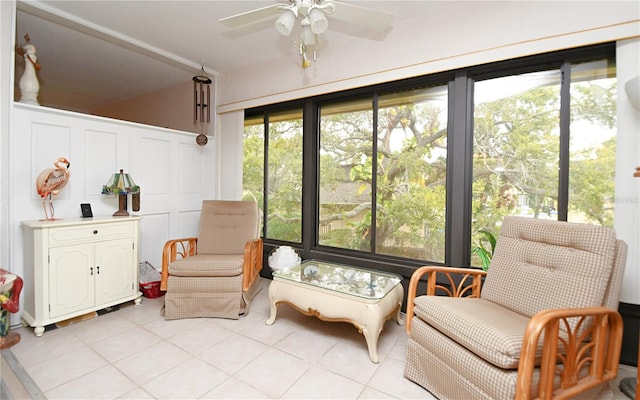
(460, 147)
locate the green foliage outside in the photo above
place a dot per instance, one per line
(515, 171)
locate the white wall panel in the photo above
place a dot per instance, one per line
(189, 223)
(154, 232)
(164, 162)
(99, 161)
(192, 169)
(156, 168)
(54, 141)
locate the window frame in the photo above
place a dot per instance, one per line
(460, 85)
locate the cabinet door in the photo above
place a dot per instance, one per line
(114, 270)
(71, 277)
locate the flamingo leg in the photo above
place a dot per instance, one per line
(48, 208)
(51, 209)
(44, 207)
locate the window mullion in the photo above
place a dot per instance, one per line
(565, 122)
(459, 171)
(374, 173)
(310, 182)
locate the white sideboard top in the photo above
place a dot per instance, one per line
(40, 224)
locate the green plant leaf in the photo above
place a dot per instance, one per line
(482, 250)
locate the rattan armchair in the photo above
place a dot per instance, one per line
(544, 324)
(217, 273)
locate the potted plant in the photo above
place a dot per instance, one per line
(485, 248)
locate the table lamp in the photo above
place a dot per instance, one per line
(122, 184)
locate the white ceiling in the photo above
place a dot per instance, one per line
(97, 52)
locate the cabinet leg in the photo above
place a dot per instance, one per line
(38, 330)
(137, 301)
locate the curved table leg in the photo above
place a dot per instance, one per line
(399, 319)
(272, 303)
(371, 337)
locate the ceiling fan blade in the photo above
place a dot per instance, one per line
(361, 16)
(250, 17)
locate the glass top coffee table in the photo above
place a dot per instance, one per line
(340, 293)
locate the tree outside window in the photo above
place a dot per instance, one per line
(543, 146)
(517, 135)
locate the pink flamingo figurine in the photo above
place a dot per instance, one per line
(50, 182)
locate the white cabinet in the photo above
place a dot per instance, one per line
(76, 266)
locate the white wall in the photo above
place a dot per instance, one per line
(174, 174)
(170, 107)
(627, 196)
(230, 155)
(7, 26)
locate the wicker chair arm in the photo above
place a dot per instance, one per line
(183, 247)
(252, 262)
(469, 285)
(593, 345)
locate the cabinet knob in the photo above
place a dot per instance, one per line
(95, 232)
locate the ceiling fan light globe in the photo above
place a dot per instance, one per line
(319, 22)
(284, 23)
(307, 37)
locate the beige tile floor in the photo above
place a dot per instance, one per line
(133, 353)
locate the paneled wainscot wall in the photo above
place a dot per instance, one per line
(174, 173)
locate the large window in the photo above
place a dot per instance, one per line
(408, 173)
(518, 156)
(411, 174)
(516, 149)
(592, 148)
(274, 177)
(383, 172)
(345, 181)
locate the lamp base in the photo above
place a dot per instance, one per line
(122, 203)
(121, 213)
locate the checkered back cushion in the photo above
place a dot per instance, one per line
(541, 264)
(226, 225)
(612, 295)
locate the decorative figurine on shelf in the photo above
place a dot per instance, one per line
(50, 182)
(29, 86)
(10, 288)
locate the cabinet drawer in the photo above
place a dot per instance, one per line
(77, 234)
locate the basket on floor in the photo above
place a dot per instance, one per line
(149, 281)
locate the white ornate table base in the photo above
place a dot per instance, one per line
(367, 315)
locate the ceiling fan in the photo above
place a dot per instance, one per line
(311, 16)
